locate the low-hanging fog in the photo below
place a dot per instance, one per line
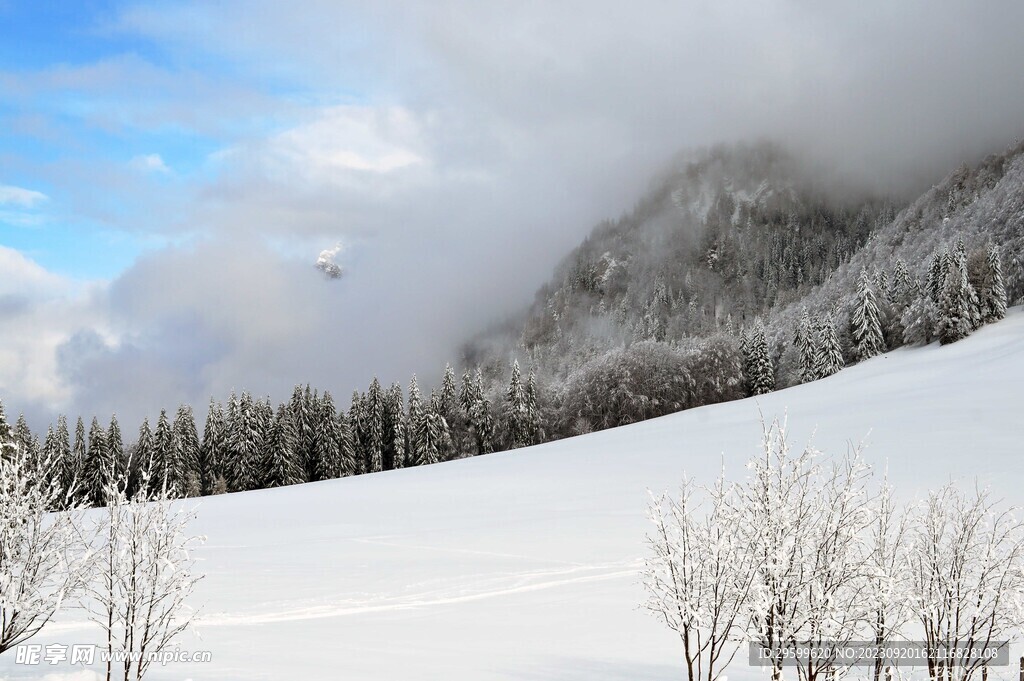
(456, 149)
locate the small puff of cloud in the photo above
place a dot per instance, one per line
(150, 163)
(18, 196)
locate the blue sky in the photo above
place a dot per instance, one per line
(48, 127)
(115, 124)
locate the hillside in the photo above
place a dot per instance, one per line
(746, 232)
(522, 565)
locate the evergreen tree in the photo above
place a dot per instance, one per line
(281, 463)
(448, 394)
(902, 290)
(143, 460)
(211, 452)
(98, 466)
(760, 373)
(955, 316)
(372, 427)
(115, 448)
(937, 269)
(456, 418)
(245, 446)
(805, 343)
(355, 424)
(48, 454)
(8, 443)
(348, 457)
(326, 441)
(920, 320)
(533, 418)
(993, 290)
(184, 467)
(62, 457)
(25, 439)
(829, 358)
(516, 425)
(394, 428)
(432, 433)
(478, 410)
(414, 454)
(867, 324)
(165, 457)
(305, 408)
(77, 462)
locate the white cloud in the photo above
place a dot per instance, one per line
(337, 141)
(18, 196)
(39, 311)
(150, 163)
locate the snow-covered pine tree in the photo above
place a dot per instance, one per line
(326, 441)
(956, 318)
(807, 347)
(77, 459)
(98, 466)
(142, 460)
(829, 359)
(414, 445)
(300, 419)
(165, 445)
(433, 438)
(245, 446)
(993, 291)
(355, 423)
(185, 466)
(349, 460)
(211, 452)
(394, 428)
(467, 397)
(478, 410)
(920, 319)
(866, 321)
(534, 430)
(306, 420)
(63, 457)
(516, 426)
(8, 443)
(48, 453)
(115, 448)
(448, 394)
(26, 440)
(902, 289)
(937, 269)
(373, 427)
(454, 415)
(973, 301)
(761, 376)
(281, 462)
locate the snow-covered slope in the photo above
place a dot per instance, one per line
(524, 565)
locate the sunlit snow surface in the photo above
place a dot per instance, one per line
(524, 565)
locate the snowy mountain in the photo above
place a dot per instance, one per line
(750, 232)
(524, 565)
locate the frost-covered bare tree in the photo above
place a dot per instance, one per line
(805, 522)
(145, 576)
(780, 558)
(836, 557)
(698, 577)
(886, 574)
(44, 558)
(966, 574)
